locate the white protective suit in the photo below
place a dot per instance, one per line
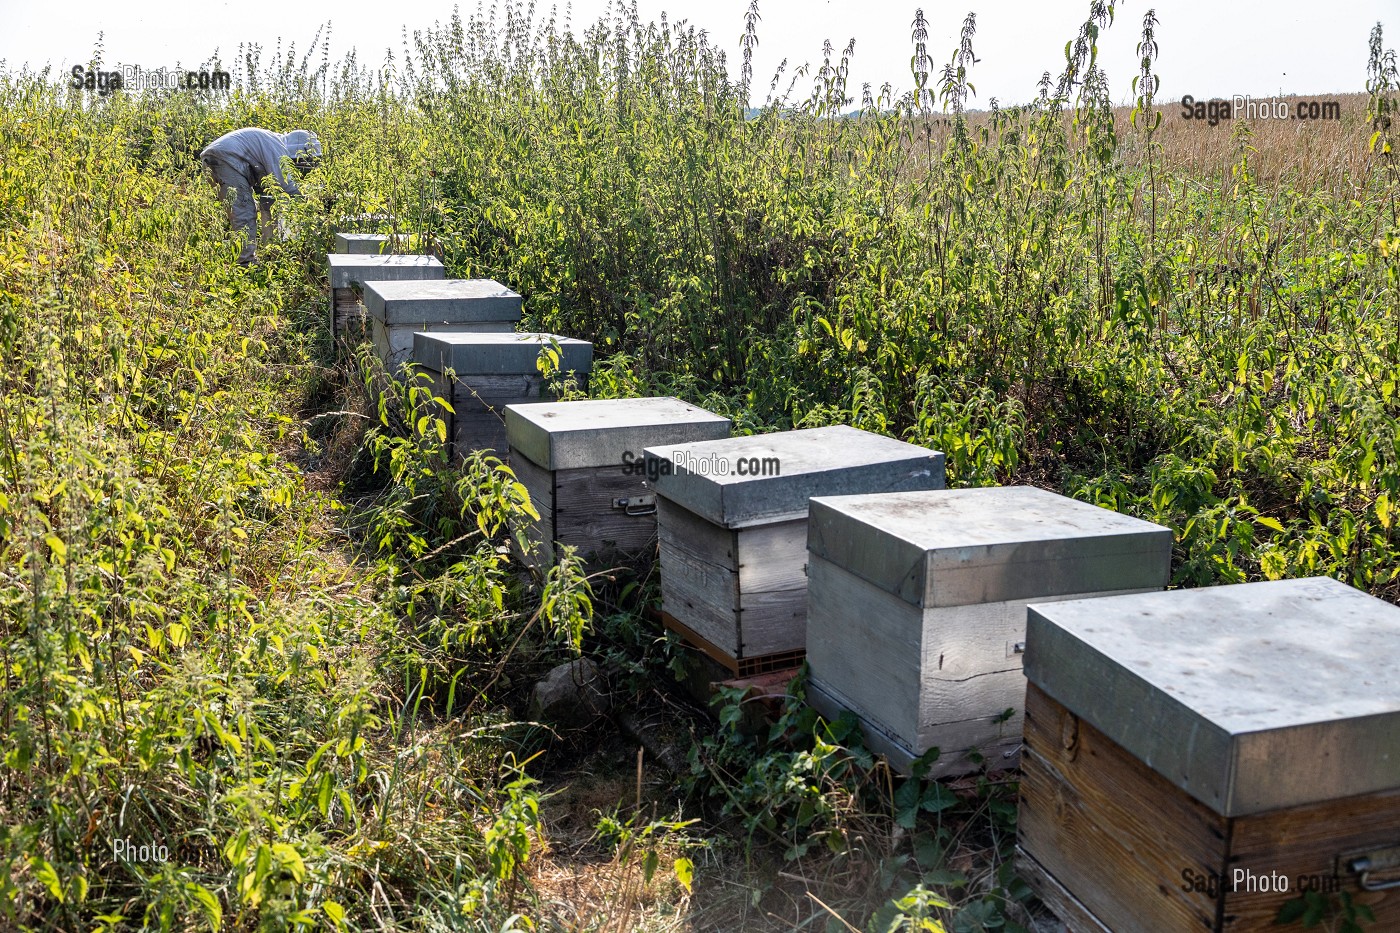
(240, 160)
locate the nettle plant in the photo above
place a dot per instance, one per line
(809, 790)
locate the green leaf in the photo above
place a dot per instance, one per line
(1269, 522)
(685, 872)
(1290, 912)
(48, 877)
(57, 547)
(649, 863)
(938, 798)
(210, 904)
(323, 794)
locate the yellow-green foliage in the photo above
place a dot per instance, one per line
(196, 659)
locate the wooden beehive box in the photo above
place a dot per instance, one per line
(397, 310)
(350, 271)
(373, 244)
(584, 466)
(1196, 759)
(918, 608)
(362, 222)
(732, 521)
(479, 374)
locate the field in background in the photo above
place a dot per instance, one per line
(251, 619)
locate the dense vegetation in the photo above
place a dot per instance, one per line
(250, 614)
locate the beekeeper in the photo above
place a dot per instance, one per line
(239, 162)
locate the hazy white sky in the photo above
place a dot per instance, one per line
(1208, 47)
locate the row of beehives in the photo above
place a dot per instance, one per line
(1168, 740)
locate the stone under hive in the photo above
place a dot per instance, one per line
(918, 608)
(732, 521)
(1196, 759)
(399, 309)
(349, 272)
(373, 244)
(480, 374)
(584, 466)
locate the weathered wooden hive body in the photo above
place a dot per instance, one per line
(1196, 759)
(918, 608)
(373, 244)
(584, 466)
(398, 310)
(350, 271)
(481, 373)
(732, 521)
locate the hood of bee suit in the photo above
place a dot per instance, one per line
(302, 143)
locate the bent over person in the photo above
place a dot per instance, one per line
(240, 160)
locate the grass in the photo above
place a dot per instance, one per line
(252, 615)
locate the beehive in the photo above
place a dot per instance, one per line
(349, 271)
(1196, 759)
(918, 608)
(732, 522)
(397, 310)
(373, 244)
(481, 373)
(584, 466)
(362, 222)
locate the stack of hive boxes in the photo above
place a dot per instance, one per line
(919, 607)
(1197, 759)
(584, 466)
(480, 374)
(399, 309)
(732, 520)
(349, 273)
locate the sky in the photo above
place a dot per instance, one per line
(1208, 48)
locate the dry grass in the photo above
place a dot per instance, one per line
(1332, 154)
(584, 883)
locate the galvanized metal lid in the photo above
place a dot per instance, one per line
(1250, 697)
(606, 432)
(348, 269)
(371, 243)
(957, 547)
(441, 301)
(497, 354)
(366, 219)
(770, 477)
